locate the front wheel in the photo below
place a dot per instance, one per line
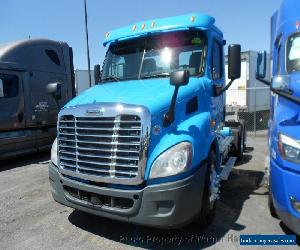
(208, 208)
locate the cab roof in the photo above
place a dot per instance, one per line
(27, 54)
(18, 55)
(184, 22)
(287, 18)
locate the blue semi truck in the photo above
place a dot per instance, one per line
(149, 143)
(284, 123)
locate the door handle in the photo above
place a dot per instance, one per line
(20, 116)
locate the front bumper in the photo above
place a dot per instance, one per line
(285, 184)
(168, 205)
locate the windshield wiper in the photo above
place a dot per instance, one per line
(156, 76)
(111, 78)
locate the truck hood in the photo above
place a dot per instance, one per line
(155, 94)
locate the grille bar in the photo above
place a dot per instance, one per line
(101, 147)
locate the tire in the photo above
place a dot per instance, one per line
(271, 206)
(207, 212)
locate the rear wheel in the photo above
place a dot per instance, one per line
(208, 208)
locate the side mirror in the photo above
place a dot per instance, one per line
(234, 68)
(54, 89)
(97, 73)
(234, 61)
(180, 78)
(177, 79)
(1, 89)
(261, 66)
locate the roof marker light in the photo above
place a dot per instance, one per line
(153, 24)
(107, 34)
(133, 27)
(143, 26)
(193, 18)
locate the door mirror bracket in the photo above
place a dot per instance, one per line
(54, 89)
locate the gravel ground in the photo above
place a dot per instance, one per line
(30, 219)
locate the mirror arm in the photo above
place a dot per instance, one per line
(286, 95)
(268, 83)
(220, 90)
(170, 116)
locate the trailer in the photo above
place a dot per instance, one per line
(82, 80)
(248, 98)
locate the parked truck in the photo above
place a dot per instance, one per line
(28, 115)
(284, 124)
(149, 143)
(246, 98)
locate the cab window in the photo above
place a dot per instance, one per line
(9, 86)
(217, 61)
(293, 53)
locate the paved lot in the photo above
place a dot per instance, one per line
(30, 219)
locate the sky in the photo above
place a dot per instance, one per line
(243, 22)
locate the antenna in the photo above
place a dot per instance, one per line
(87, 43)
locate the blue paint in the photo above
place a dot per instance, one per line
(285, 175)
(193, 20)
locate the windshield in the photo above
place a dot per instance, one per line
(155, 56)
(293, 53)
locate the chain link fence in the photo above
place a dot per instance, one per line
(251, 105)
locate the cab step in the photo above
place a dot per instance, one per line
(227, 168)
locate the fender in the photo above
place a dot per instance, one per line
(195, 130)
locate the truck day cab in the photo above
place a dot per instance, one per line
(284, 124)
(148, 144)
(27, 113)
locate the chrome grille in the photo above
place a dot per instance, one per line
(105, 148)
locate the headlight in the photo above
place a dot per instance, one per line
(175, 160)
(54, 152)
(289, 148)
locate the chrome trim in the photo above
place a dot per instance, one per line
(114, 110)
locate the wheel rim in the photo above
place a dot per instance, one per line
(214, 185)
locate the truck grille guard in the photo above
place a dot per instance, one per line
(104, 143)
